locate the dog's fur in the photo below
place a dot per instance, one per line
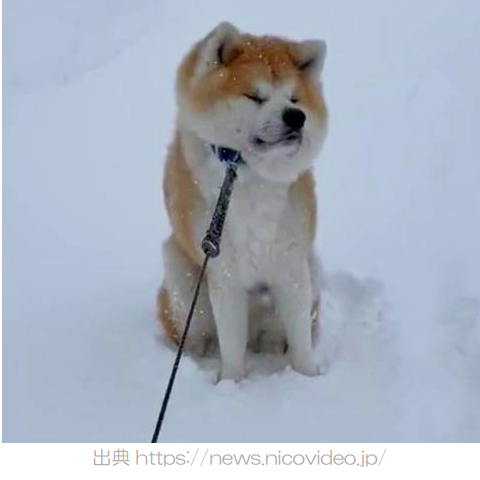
(262, 291)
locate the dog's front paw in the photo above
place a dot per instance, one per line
(309, 366)
(234, 373)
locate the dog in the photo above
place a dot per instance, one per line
(261, 97)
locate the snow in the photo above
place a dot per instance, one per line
(88, 114)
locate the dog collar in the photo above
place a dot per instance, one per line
(228, 155)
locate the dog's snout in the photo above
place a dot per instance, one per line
(294, 118)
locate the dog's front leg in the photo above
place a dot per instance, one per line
(230, 308)
(293, 298)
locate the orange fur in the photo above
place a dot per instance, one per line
(182, 200)
(254, 58)
(166, 316)
(304, 188)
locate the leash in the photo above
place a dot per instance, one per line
(211, 249)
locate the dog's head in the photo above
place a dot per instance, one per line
(259, 95)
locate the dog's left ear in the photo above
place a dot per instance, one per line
(218, 48)
(311, 57)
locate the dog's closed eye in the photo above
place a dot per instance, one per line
(255, 98)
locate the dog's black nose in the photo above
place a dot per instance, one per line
(294, 118)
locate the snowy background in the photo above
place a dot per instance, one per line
(88, 113)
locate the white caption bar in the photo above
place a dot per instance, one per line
(256, 460)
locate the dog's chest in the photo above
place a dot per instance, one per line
(256, 224)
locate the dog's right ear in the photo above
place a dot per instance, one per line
(218, 48)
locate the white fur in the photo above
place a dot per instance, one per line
(313, 54)
(223, 35)
(263, 243)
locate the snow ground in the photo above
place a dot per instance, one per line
(88, 113)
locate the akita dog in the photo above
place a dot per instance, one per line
(261, 97)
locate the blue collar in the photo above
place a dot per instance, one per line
(228, 155)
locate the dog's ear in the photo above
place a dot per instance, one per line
(217, 48)
(310, 57)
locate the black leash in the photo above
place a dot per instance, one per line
(211, 248)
